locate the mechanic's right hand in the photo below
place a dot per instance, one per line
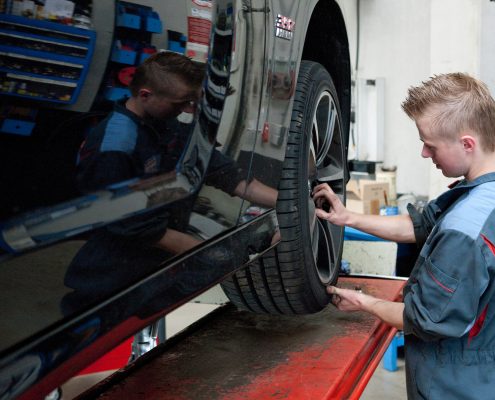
(329, 206)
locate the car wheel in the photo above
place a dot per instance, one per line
(291, 279)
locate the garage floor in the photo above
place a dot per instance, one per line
(387, 385)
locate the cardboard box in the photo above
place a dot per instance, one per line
(366, 196)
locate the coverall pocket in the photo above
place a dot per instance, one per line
(438, 289)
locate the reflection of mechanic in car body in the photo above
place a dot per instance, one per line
(142, 137)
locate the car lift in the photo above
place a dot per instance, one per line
(231, 354)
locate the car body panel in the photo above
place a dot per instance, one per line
(50, 331)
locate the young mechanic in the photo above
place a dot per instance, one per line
(448, 313)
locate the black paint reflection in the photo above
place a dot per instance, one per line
(114, 240)
(125, 207)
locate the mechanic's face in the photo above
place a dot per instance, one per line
(182, 98)
(447, 154)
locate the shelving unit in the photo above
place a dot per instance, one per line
(134, 27)
(42, 60)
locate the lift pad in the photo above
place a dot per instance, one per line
(239, 355)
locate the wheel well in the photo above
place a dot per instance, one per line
(326, 42)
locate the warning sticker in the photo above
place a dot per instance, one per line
(196, 12)
(203, 3)
(198, 30)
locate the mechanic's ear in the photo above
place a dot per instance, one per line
(144, 93)
(468, 143)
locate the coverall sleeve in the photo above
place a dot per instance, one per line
(423, 222)
(444, 294)
(224, 174)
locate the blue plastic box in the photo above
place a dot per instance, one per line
(129, 20)
(17, 127)
(176, 47)
(355, 234)
(124, 56)
(144, 56)
(153, 24)
(116, 93)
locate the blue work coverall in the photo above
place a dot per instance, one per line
(449, 314)
(121, 147)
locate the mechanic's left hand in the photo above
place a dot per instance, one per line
(346, 299)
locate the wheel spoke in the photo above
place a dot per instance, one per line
(312, 171)
(330, 174)
(327, 117)
(315, 242)
(332, 122)
(323, 255)
(316, 132)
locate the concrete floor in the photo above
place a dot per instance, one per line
(384, 385)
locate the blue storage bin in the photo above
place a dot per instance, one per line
(144, 56)
(124, 56)
(153, 24)
(355, 234)
(17, 127)
(176, 47)
(116, 93)
(129, 20)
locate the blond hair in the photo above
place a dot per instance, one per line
(457, 101)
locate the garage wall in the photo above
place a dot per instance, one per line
(487, 44)
(405, 42)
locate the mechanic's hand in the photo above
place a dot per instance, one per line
(329, 206)
(347, 299)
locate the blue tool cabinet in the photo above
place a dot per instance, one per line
(42, 60)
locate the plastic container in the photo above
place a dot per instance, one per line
(390, 177)
(389, 210)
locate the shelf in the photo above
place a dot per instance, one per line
(135, 25)
(39, 67)
(37, 39)
(43, 61)
(31, 87)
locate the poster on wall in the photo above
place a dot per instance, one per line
(199, 22)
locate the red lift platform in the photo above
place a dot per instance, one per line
(233, 355)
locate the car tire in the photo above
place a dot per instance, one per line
(292, 277)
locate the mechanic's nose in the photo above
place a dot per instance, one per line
(425, 153)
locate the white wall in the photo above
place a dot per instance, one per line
(406, 42)
(487, 44)
(394, 44)
(455, 44)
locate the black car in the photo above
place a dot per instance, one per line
(276, 101)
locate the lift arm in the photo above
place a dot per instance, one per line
(239, 355)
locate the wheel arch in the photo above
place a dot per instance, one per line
(326, 42)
